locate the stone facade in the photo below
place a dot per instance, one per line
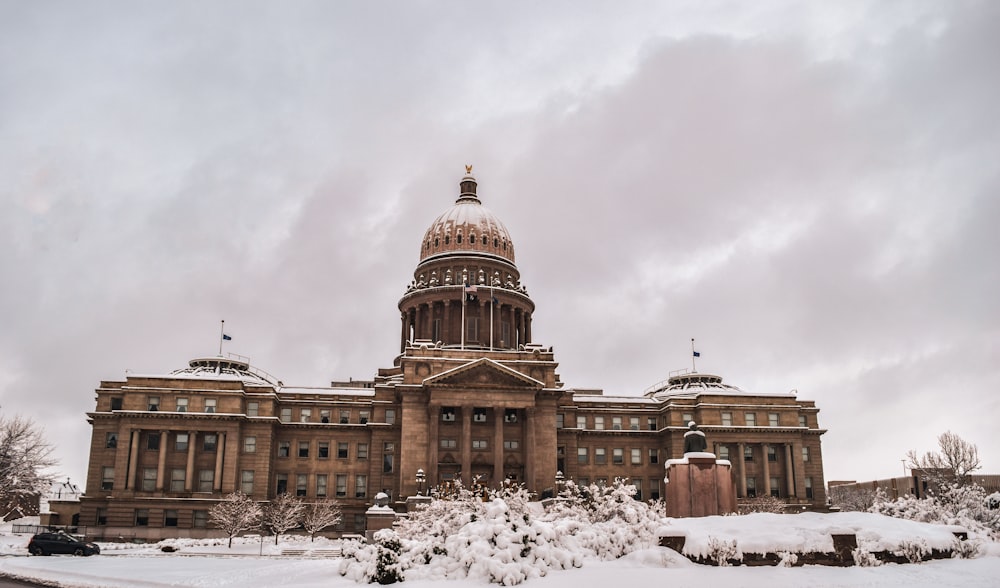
(470, 396)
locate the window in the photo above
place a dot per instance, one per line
(581, 455)
(323, 449)
(617, 456)
(341, 482)
(636, 457)
(638, 488)
(510, 415)
(723, 452)
(250, 444)
(600, 455)
(177, 478)
(727, 419)
(286, 415)
(772, 453)
(111, 440)
(205, 480)
(253, 408)
(107, 478)
(805, 454)
(687, 417)
(281, 484)
(342, 450)
(602, 482)
(360, 486)
(512, 444)
(284, 447)
(750, 419)
(751, 487)
(775, 487)
(153, 441)
(210, 404)
(324, 416)
(305, 415)
(211, 441)
(479, 415)
(170, 518)
(363, 416)
(809, 488)
(345, 417)
(181, 442)
(472, 329)
(102, 516)
(633, 423)
(436, 330)
(321, 485)
(148, 479)
(390, 416)
(200, 519)
(581, 421)
(479, 444)
(560, 420)
(599, 423)
(362, 451)
(772, 419)
(388, 462)
(802, 421)
(448, 444)
(182, 405)
(747, 453)
(116, 403)
(651, 423)
(654, 488)
(301, 483)
(142, 517)
(153, 403)
(616, 423)
(654, 456)
(303, 449)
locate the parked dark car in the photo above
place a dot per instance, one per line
(60, 542)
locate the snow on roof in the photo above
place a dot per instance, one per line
(340, 391)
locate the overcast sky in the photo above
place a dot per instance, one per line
(809, 189)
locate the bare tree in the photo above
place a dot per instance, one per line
(283, 513)
(236, 513)
(851, 497)
(25, 455)
(320, 515)
(955, 459)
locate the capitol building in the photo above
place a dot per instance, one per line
(470, 396)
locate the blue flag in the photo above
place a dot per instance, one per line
(696, 354)
(226, 337)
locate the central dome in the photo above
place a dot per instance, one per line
(467, 226)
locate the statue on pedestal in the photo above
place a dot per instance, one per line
(694, 440)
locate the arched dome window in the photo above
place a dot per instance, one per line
(496, 242)
(437, 241)
(484, 240)
(505, 244)
(447, 239)
(459, 239)
(472, 239)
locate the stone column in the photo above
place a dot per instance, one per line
(529, 449)
(527, 328)
(466, 444)
(767, 469)
(522, 332)
(189, 472)
(403, 334)
(446, 323)
(497, 445)
(220, 444)
(789, 471)
(799, 471)
(161, 465)
(135, 436)
(433, 445)
(741, 470)
(418, 318)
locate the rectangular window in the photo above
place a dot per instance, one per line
(581, 421)
(633, 423)
(472, 331)
(181, 442)
(284, 448)
(512, 444)
(751, 487)
(636, 457)
(654, 456)
(772, 453)
(654, 489)
(723, 452)
(805, 454)
(153, 403)
(727, 419)
(281, 484)
(345, 417)
(598, 423)
(363, 416)
(303, 449)
(107, 478)
(250, 444)
(200, 519)
(747, 453)
(211, 441)
(479, 444)
(802, 421)
(560, 420)
(324, 416)
(305, 415)
(809, 488)
(111, 440)
(390, 416)
(177, 478)
(775, 487)
(581, 455)
(750, 419)
(360, 486)
(323, 449)
(342, 450)
(618, 456)
(210, 404)
(205, 480)
(651, 423)
(687, 417)
(321, 485)
(479, 415)
(170, 518)
(253, 409)
(116, 403)
(436, 330)
(616, 423)
(600, 455)
(142, 517)
(341, 481)
(148, 479)
(153, 441)
(301, 484)
(638, 488)
(182, 405)
(448, 444)
(102, 516)
(772, 419)
(388, 463)
(286, 415)
(362, 451)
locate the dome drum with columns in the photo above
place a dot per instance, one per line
(467, 259)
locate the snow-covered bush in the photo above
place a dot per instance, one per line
(965, 506)
(762, 504)
(864, 558)
(787, 559)
(721, 551)
(967, 549)
(914, 550)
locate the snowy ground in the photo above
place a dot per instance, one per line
(214, 565)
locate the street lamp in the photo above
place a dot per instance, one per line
(421, 478)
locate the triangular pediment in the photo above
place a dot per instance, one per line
(484, 373)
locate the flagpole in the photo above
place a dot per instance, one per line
(492, 304)
(222, 331)
(464, 296)
(693, 367)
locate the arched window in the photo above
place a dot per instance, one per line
(484, 240)
(505, 244)
(447, 239)
(437, 241)
(459, 238)
(472, 239)
(496, 242)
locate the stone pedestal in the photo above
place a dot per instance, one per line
(376, 519)
(414, 502)
(699, 485)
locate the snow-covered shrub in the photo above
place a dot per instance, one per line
(387, 548)
(967, 549)
(721, 551)
(913, 550)
(787, 559)
(864, 558)
(965, 506)
(762, 504)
